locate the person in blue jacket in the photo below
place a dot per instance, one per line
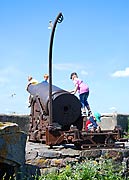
(46, 76)
(91, 123)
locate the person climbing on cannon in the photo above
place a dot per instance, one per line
(83, 90)
(92, 123)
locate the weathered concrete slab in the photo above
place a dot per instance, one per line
(114, 119)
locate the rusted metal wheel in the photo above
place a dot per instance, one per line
(110, 142)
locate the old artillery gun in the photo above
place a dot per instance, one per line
(68, 126)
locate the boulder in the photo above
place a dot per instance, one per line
(12, 148)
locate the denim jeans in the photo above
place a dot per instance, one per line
(83, 99)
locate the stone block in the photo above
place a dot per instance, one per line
(110, 120)
(12, 144)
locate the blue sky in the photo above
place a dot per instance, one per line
(92, 40)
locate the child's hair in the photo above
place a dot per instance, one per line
(30, 78)
(45, 76)
(74, 73)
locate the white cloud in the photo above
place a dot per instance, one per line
(83, 72)
(63, 66)
(70, 67)
(112, 108)
(121, 73)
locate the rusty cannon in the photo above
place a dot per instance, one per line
(67, 123)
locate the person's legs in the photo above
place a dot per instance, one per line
(86, 102)
(81, 96)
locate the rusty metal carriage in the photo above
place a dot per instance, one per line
(68, 126)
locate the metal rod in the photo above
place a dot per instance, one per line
(58, 19)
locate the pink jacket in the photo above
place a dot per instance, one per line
(82, 87)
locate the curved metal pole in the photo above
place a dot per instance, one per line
(58, 19)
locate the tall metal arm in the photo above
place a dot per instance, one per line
(58, 19)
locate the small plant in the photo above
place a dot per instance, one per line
(89, 170)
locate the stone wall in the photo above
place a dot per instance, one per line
(108, 122)
(52, 160)
(21, 120)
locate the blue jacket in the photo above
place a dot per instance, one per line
(95, 125)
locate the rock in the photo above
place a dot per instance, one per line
(49, 154)
(12, 144)
(90, 154)
(113, 154)
(12, 150)
(29, 172)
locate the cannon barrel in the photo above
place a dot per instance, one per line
(66, 107)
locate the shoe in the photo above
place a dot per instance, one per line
(89, 112)
(84, 114)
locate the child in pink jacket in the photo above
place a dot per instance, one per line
(83, 91)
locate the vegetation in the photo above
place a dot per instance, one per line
(89, 170)
(100, 169)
